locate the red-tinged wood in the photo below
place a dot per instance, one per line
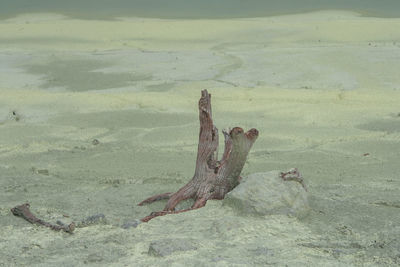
(155, 198)
(213, 178)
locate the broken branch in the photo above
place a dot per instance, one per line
(24, 212)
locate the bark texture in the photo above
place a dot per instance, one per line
(213, 178)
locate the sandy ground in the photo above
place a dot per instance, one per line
(323, 90)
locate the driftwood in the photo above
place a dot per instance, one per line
(24, 212)
(213, 178)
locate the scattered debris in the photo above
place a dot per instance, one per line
(40, 171)
(24, 212)
(95, 142)
(15, 116)
(91, 220)
(131, 224)
(43, 172)
(387, 204)
(293, 175)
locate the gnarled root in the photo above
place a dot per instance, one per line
(155, 198)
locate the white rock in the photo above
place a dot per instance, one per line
(267, 193)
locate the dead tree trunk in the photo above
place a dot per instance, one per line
(212, 178)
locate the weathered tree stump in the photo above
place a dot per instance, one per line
(213, 178)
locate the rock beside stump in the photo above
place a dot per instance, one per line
(266, 194)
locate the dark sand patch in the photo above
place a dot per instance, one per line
(38, 40)
(387, 125)
(80, 75)
(125, 118)
(160, 87)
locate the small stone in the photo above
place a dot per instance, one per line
(165, 247)
(43, 172)
(93, 219)
(95, 142)
(15, 116)
(94, 257)
(261, 251)
(130, 224)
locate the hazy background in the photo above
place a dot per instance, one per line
(108, 9)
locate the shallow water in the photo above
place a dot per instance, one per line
(195, 9)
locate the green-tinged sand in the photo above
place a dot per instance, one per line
(322, 88)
